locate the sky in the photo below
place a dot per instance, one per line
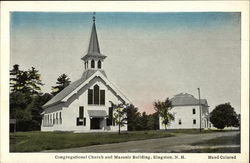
(150, 56)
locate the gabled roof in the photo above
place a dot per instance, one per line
(66, 91)
(94, 49)
(185, 99)
(73, 88)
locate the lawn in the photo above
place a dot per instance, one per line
(36, 141)
(225, 140)
(215, 145)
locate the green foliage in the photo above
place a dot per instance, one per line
(224, 116)
(133, 118)
(163, 108)
(153, 121)
(138, 121)
(27, 82)
(26, 98)
(120, 115)
(62, 82)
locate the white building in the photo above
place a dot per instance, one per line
(185, 108)
(85, 105)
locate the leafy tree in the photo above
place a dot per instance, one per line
(133, 118)
(27, 82)
(119, 115)
(163, 108)
(25, 90)
(35, 109)
(62, 82)
(153, 121)
(224, 116)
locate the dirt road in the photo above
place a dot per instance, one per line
(168, 144)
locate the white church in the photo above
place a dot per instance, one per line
(85, 105)
(186, 110)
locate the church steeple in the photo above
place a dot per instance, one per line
(93, 59)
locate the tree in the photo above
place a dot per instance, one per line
(163, 108)
(133, 118)
(62, 81)
(27, 82)
(35, 109)
(153, 121)
(224, 116)
(25, 88)
(119, 115)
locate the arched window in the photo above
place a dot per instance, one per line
(92, 64)
(99, 64)
(96, 94)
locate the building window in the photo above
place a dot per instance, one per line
(179, 121)
(90, 96)
(56, 118)
(194, 111)
(102, 97)
(194, 121)
(110, 118)
(92, 64)
(53, 118)
(60, 117)
(81, 112)
(99, 64)
(96, 94)
(81, 120)
(50, 118)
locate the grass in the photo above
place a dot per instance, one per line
(36, 141)
(211, 145)
(225, 140)
(214, 150)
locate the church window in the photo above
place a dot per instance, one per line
(194, 121)
(56, 118)
(194, 111)
(53, 118)
(99, 64)
(81, 120)
(92, 64)
(102, 97)
(60, 117)
(96, 94)
(81, 112)
(90, 96)
(110, 118)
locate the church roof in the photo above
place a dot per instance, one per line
(94, 49)
(185, 99)
(67, 90)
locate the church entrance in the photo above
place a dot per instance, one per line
(95, 123)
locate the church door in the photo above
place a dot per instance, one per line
(95, 123)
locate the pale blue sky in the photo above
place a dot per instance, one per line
(151, 56)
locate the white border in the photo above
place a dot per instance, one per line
(122, 6)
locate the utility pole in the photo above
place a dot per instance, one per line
(199, 106)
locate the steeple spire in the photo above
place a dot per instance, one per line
(93, 43)
(93, 55)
